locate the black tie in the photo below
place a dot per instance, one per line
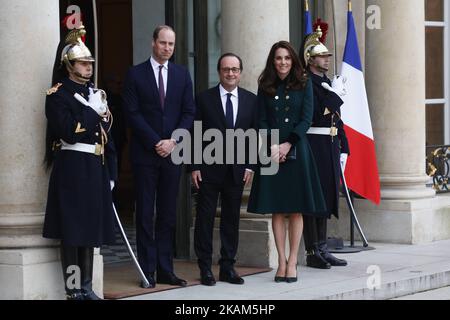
(229, 112)
(162, 95)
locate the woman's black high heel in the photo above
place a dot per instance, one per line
(279, 279)
(293, 279)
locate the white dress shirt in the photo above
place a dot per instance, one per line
(155, 66)
(234, 101)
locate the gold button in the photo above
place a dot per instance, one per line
(287, 109)
(97, 134)
(287, 97)
(277, 97)
(286, 120)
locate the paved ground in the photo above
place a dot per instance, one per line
(388, 272)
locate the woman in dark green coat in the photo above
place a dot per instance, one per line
(285, 100)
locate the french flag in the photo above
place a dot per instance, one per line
(361, 171)
(308, 21)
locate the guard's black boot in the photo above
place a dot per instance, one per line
(315, 260)
(69, 263)
(86, 259)
(332, 260)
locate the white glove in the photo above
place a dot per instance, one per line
(343, 160)
(112, 183)
(337, 85)
(97, 101)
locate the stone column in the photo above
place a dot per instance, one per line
(396, 92)
(249, 29)
(29, 264)
(395, 80)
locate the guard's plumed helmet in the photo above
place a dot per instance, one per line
(75, 49)
(313, 46)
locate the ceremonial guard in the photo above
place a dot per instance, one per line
(79, 208)
(328, 143)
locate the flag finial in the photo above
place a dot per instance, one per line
(306, 5)
(349, 5)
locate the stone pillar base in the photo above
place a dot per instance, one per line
(256, 244)
(31, 274)
(397, 221)
(35, 274)
(97, 281)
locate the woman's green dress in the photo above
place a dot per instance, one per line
(296, 187)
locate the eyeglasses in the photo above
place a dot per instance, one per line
(234, 70)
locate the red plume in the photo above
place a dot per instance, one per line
(324, 27)
(65, 23)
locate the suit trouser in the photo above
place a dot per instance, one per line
(314, 231)
(155, 231)
(231, 197)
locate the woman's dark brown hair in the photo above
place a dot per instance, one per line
(297, 78)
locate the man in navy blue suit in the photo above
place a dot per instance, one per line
(158, 99)
(226, 106)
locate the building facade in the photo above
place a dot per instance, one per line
(406, 59)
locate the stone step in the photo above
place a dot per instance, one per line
(396, 284)
(403, 270)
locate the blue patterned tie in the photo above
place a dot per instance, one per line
(229, 112)
(162, 94)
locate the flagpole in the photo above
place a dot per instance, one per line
(94, 11)
(333, 8)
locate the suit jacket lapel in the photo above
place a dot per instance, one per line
(152, 81)
(241, 104)
(219, 107)
(171, 77)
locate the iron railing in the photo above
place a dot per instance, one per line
(438, 167)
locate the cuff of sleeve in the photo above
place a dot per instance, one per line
(293, 138)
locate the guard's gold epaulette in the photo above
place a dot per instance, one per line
(54, 89)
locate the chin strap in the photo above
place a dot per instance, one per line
(319, 68)
(82, 78)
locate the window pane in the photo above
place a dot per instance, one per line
(435, 124)
(434, 10)
(435, 63)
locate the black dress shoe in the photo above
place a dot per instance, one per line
(170, 278)
(315, 260)
(90, 295)
(332, 260)
(207, 278)
(75, 296)
(230, 276)
(151, 280)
